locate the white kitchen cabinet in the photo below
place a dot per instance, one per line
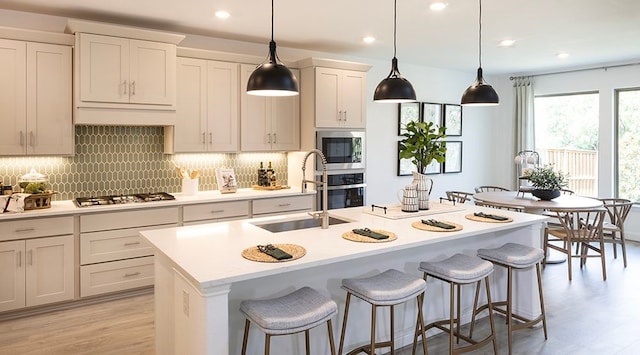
(282, 205)
(339, 98)
(113, 255)
(206, 109)
(36, 271)
(268, 123)
(129, 71)
(215, 212)
(35, 103)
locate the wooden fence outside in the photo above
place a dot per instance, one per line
(580, 165)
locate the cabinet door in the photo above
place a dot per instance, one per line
(255, 117)
(191, 106)
(104, 68)
(49, 272)
(49, 120)
(327, 101)
(222, 106)
(153, 73)
(12, 282)
(353, 99)
(13, 91)
(285, 123)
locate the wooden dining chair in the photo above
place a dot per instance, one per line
(490, 188)
(582, 226)
(459, 196)
(613, 226)
(499, 206)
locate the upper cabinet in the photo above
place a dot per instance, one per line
(207, 108)
(268, 123)
(124, 75)
(333, 93)
(120, 70)
(35, 97)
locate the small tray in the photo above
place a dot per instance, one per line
(487, 220)
(426, 227)
(349, 235)
(254, 254)
(270, 188)
(38, 201)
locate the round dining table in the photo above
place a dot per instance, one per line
(533, 204)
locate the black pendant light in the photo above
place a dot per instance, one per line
(272, 78)
(395, 88)
(479, 93)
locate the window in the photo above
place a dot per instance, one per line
(628, 142)
(566, 135)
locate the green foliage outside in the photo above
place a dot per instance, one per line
(629, 145)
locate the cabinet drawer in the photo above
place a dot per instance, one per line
(116, 276)
(128, 219)
(33, 228)
(282, 204)
(98, 247)
(214, 211)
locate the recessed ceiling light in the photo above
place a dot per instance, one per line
(562, 55)
(438, 5)
(221, 14)
(506, 43)
(368, 39)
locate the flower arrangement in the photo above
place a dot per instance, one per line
(546, 178)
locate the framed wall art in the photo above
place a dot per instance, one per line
(407, 112)
(432, 112)
(452, 120)
(453, 157)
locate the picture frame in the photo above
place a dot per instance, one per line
(452, 120)
(407, 112)
(432, 112)
(227, 182)
(453, 157)
(406, 168)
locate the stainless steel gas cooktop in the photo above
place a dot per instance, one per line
(122, 199)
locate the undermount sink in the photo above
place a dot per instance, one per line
(290, 225)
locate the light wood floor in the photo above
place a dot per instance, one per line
(586, 316)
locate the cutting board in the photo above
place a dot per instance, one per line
(394, 211)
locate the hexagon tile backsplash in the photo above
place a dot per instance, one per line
(120, 160)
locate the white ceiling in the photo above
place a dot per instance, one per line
(593, 32)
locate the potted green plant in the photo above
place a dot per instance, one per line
(547, 182)
(422, 144)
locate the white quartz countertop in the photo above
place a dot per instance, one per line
(210, 254)
(67, 207)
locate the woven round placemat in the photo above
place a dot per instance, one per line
(488, 220)
(426, 227)
(349, 235)
(254, 254)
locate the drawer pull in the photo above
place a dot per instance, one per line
(131, 243)
(130, 274)
(284, 205)
(217, 211)
(22, 230)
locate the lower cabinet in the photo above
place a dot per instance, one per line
(113, 256)
(215, 212)
(282, 205)
(36, 271)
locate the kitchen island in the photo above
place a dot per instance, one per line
(201, 277)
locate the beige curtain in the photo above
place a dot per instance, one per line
(525, 133)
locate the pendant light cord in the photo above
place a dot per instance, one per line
(480, 35)
(395, 22)
(272, 20)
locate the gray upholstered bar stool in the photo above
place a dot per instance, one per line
(388, 288)
(457, 270)
(515, 256)
(298, 311)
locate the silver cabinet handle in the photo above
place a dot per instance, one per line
(340, 115)
(22, 230)
(19, 258)
(130, 274)
(21, 138)
(131, 243)
(133, 88)
(345, 115)
(274, 138)
(30, 257)
(284, 205)
(269, 138)
(125, 87)
(203, 138)
(210, 138)
(32, 139)
(217, 211)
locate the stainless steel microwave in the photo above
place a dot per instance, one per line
(344, 150)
